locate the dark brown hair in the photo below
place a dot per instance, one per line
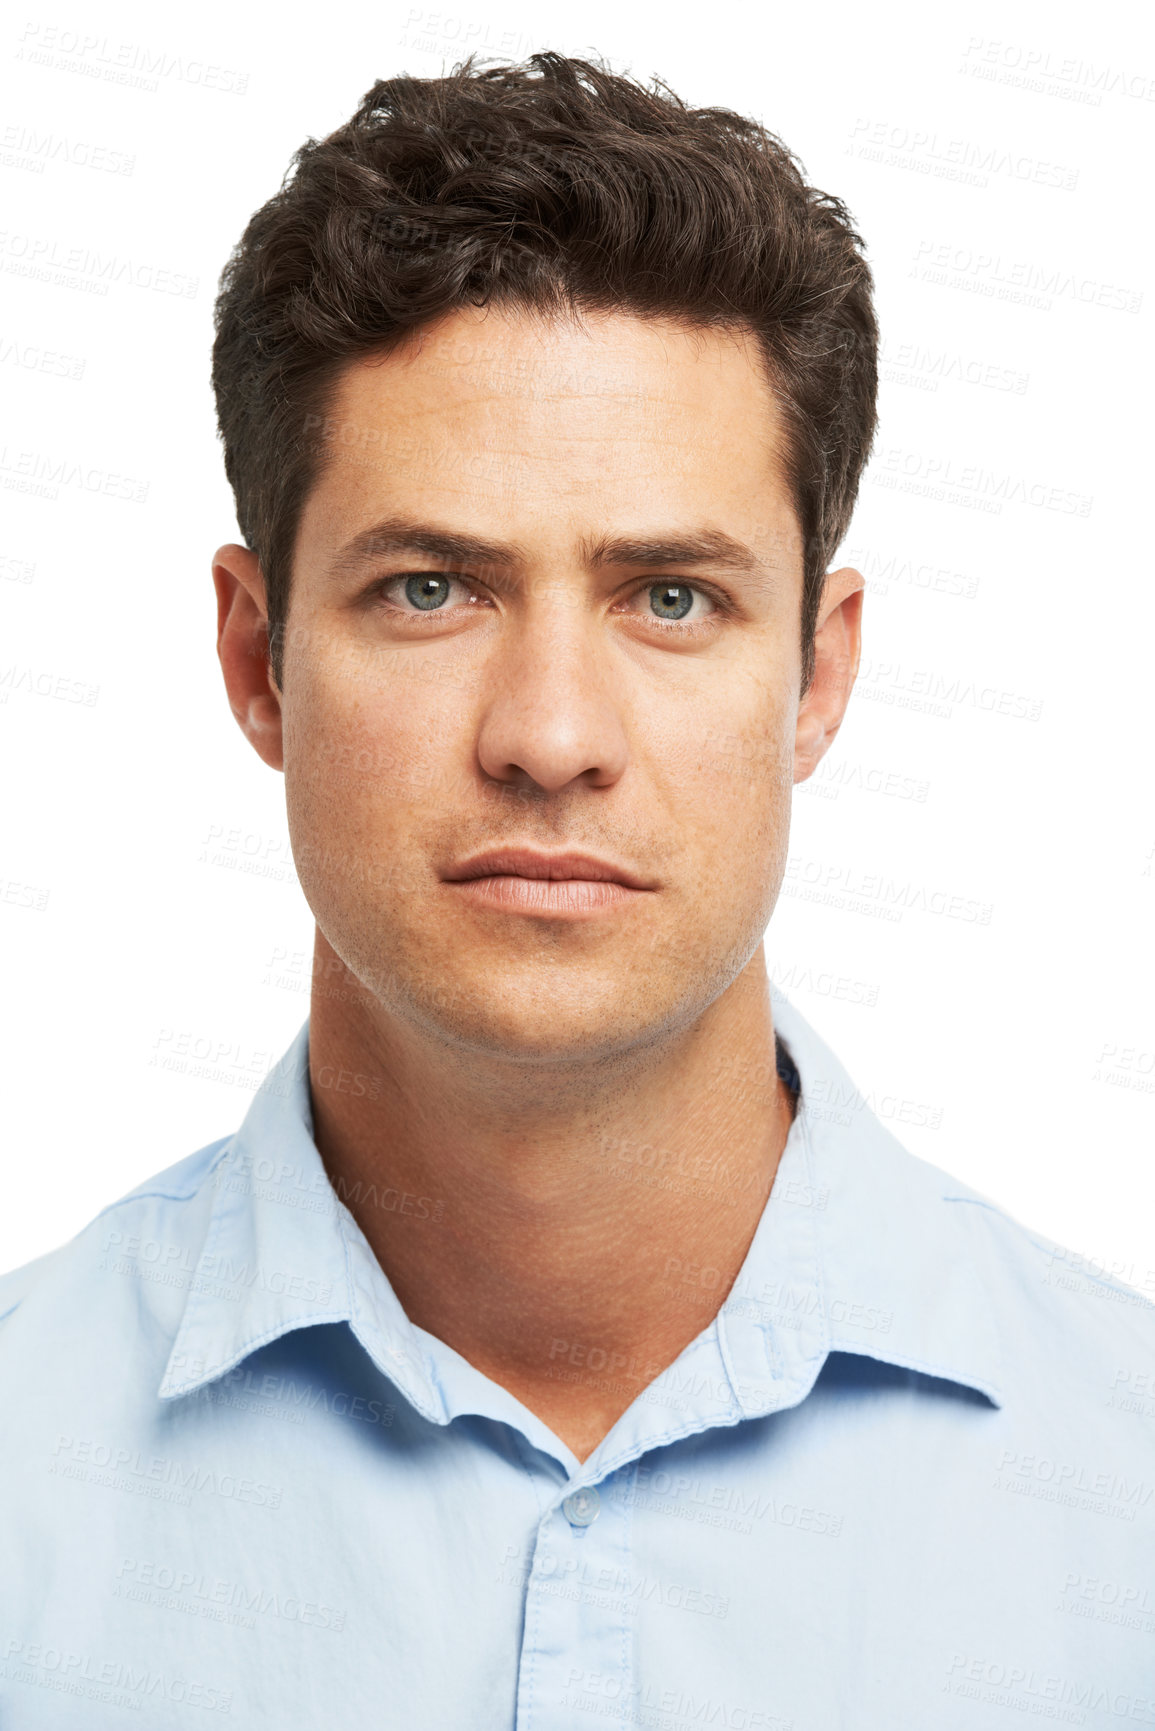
(552, 185)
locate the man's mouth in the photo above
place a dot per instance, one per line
(527, 880)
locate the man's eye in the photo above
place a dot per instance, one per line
(676, 600)
(425, 590)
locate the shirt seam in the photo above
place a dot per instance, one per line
(413, 1359)
(628, 1633)
(691, 1427)
(144, 1195)
(1046, 1246)
(216, 1227)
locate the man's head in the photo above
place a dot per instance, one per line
(545, 401)
(540, 187)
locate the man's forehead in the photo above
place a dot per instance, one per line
(416, 433)
(610, 357)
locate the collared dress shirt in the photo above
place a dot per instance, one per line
(902, 1480)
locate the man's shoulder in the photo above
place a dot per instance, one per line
(1057, 1293)
(927, 1229)
(927, 1270)
(149, 1215)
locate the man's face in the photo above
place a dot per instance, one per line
(579, 631)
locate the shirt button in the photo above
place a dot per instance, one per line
(581, 1508)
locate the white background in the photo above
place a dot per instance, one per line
(997, 158)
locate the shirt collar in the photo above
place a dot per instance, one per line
(862, 1248)
(283, 1252)
(902, 1250)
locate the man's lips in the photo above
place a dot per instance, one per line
(525, 862)
(525, 880)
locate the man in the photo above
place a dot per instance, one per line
(560, 1341)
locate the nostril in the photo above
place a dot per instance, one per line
(542, 740)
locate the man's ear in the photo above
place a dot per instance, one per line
(243, 648)
(837, 647)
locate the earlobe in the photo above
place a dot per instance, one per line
(809, 744)
(243, 650)
(837, 644)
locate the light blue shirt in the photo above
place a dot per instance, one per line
(903, 1481)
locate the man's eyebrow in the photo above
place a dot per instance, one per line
(451, 548)
(400, 535)
(708, 547)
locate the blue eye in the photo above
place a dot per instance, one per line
(427, 591)
(671, 600)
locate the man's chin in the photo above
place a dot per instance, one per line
(548, 1010)
(569, 1024)
(543, 1039)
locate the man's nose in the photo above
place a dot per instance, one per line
(553, 715)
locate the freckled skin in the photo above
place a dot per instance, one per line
(547, 704)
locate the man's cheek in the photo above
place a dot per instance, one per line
(383, 772)
(381, 739)
(734, 753)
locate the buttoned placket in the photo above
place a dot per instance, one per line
(577, 1646)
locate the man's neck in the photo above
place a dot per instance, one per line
(567, 1230)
